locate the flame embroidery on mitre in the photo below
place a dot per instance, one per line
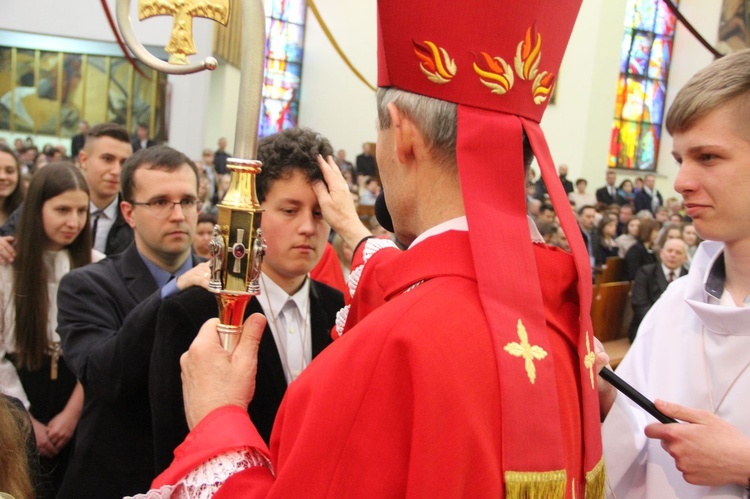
(436, 63)
(499, 77)
(542, 86)
(528, 55)
(526, 62)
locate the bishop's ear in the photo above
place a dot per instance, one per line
(406, 135)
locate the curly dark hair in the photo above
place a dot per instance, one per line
(288, 150)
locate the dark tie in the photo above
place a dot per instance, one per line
(671, 276)
(97, 215)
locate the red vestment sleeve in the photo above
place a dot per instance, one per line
(224, 430)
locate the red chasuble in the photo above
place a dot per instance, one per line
(407, 403)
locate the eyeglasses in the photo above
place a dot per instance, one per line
(162, 208)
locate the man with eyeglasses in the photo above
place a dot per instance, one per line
(107, 316)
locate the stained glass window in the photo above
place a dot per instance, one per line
(285, 28)
(644, 68)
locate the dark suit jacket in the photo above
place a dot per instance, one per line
(180, 318)
(120, 234)
(643, 200)
(650, 282)
(106, 320)
(76, 144)
(636, 257)
(136, 143)
(603, 196)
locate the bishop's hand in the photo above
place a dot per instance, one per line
(337, 204)
(212, 377)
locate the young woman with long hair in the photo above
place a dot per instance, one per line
(11, 193)
(605, 242)
(53, 237)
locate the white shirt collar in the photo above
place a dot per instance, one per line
(666, 270)
(277, 297)
(109, 211)
(460, 223)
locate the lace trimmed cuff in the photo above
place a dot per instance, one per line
(205, 480)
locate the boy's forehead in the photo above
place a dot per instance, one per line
(293, 176)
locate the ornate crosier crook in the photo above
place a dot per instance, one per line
(238, 245)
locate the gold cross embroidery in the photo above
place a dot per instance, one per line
(183, 11)
(589, 360)
(528, 352)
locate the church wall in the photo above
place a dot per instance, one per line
(335, 103)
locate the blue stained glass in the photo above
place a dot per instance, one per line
(654, 108)
(640, 53)
(281, 80)
(646, 16)
(627, 40)
(647, 148)
(283, 70)
(631, 10)
(276, 116)
(645, 53)
(658, 66)
(285, 41)
(289, 10)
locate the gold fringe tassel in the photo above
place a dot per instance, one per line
(535, 484)
(595, 481)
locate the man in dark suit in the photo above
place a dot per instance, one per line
(106, 320)
(652, 279)
(562, 172)
(587, 224)
(608, 194)
(648, 198)
(220, 157)
(296, 236)
(142, 140)
(105, 151)
(366, 164)
(79, 139)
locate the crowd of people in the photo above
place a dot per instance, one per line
(69, 373)
(612, 226)
(427, 373)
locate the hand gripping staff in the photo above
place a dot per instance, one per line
(238, 245)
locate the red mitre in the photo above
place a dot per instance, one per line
(498, 60)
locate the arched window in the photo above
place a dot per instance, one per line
(644, 68)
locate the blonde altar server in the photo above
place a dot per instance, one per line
(693, 346)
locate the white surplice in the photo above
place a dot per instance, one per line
(686, 343)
